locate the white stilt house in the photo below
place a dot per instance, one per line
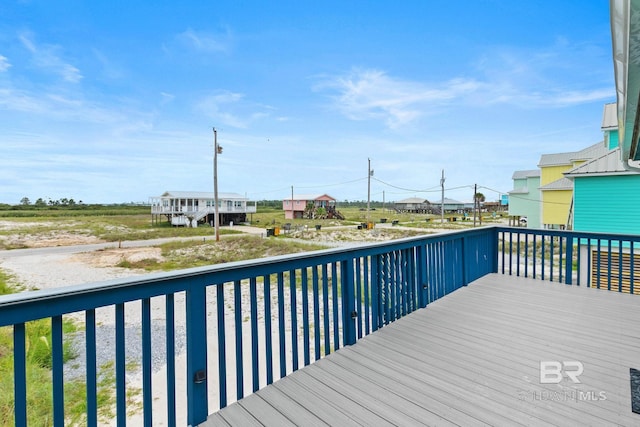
(188, 208)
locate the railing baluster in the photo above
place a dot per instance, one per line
(121, 385)
(560, 257)
(609, 264)
(568, 259)
(376, 300)
(253, 301)
(535, 254)
(171, 358)
(90, 342)
(518, 255)
(358, 301)
(147, 393)
(267, 328)
(20, 375)
(57, 368)
(510, 253)
(294, 318)
(222, 346)
(542, 241)
(336, 313)
(305, 316)
(393, 284)
(620, 265)
(598, 264)
(316, 312)
(526, 255)
(281, 329)
(631, 268)
(325, 309)
(237, 307)
(367, 299)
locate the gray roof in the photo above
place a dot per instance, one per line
(559, 184)
(610, 117)
(526, 174)
(558, 159)
(608, 163)
(523, 190)
(413, 200)
(201, 195)
(448, 201)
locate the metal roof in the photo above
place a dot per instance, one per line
(559, 184)
(609, 163)
(201, 195)
(558, 159)
(526, 174)
(413, 200)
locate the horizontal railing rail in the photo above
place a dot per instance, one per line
(245, 324)
(598, 260)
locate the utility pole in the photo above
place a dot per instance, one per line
(216, 150)
(369, 189)
(475, 202)
(442, 199)
(383, 202)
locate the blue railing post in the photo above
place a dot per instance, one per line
(464, 260)
(568, 261)
(196, 319)
(494, 252)
(349, 313)
(421, 255)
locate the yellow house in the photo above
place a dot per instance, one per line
(556, 190)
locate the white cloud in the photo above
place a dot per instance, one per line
(231, 109)
(4, 63)
(372, 94)
(47, 57)
(203, 41)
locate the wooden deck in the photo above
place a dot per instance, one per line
(471, 358)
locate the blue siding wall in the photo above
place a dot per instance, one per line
(613, 139)
(609, 204)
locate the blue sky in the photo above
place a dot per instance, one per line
(115, 101)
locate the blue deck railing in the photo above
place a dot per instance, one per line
(248, 323)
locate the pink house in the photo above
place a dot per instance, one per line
(294, 206)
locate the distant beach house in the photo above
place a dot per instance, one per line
(413, 205)
(556, 189)
(295, 206)
(524, 199)
(451, 205)
(189, 208)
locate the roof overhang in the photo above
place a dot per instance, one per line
(625, 35)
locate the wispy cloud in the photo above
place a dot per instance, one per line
(501, 75)
(373, 94)
(204, 41)
(48, 57)
(4, 63)
(109, 69)
(231, 109)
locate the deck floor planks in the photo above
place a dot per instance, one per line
(467, 358)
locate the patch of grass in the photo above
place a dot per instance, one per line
(186, 254)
